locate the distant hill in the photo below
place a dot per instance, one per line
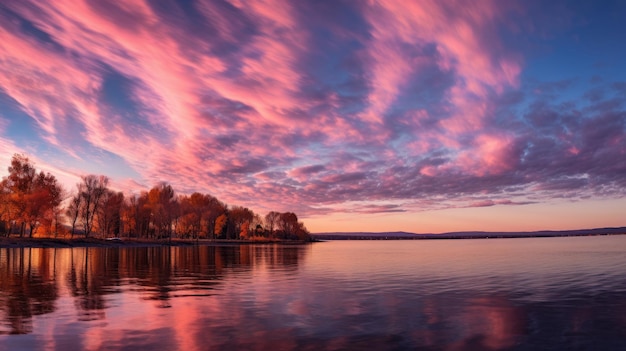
(364, 236)
(463, 235)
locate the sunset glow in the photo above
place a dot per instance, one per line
(422, 116)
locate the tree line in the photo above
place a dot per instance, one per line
(35, 204)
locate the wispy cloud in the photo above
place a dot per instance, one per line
(307, 105)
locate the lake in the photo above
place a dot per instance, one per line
(482, 294)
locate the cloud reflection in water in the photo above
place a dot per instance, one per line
(332, 296)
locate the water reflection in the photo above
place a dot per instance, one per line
(30, 278)
(28, 287)
(329, 296)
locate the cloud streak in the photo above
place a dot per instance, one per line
(308, 106)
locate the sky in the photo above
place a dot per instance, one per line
(420, 116)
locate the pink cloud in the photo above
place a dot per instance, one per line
(263, 104)
(465, 46)
(170, 82)
(490, 154)
(484, 203)
(304, 173)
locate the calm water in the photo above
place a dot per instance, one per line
(504, 294)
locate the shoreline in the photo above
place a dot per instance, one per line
(323, 238)
(16, 242)
(468, 234)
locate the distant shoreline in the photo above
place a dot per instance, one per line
(16, 242)
(467, 235)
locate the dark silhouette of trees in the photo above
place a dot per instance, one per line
(271, 222)
(290, 228)
(287, 223)
(256, 226)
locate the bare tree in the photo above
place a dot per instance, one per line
(257, 225)
(271, 221)
(288, 223)
(93, 190)
(73, 208)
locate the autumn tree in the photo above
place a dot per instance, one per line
(287, 223)
(43, 201)
(302, 233)
(30, 198)
(20, 185)
(241, 218)
(290, 228)
(214, 210)
(193, 208)
(199, 213)
(126, 217)
(221, 225)
(109, 215)
(137, 215)
(189, 221)
(5, 208)
(163, 206)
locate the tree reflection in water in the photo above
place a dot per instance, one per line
(29, 283)
(28, 287)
